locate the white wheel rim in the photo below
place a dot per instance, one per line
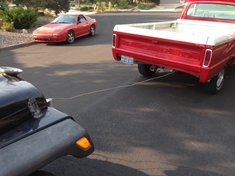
(220, 79)
(92, 30)
(70, 37)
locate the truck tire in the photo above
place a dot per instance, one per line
(144, 70)
(215, 84)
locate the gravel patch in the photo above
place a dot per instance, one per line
(15, 38)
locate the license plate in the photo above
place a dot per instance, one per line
(127, 60)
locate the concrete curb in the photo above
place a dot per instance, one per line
(17, 46)
(172, 9)
(138, 11)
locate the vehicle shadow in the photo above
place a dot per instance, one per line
(183, 171)
(41, 173)
(70, 166)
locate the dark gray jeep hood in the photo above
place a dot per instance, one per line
(19, 100)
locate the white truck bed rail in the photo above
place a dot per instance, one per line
(198, 32)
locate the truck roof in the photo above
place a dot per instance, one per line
(211, 1)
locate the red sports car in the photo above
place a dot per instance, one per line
(66, 27)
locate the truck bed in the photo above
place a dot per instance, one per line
(191, 31)
(179, 45)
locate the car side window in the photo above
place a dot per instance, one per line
(82, 18)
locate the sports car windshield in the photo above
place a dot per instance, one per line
(212, 10)
(65, 19)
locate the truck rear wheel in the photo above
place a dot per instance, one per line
(144, 70)
(215, 84)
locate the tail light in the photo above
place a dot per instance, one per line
(207, 58)
(114, 40)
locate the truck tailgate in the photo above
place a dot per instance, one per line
(178, 55)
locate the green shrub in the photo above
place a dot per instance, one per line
(123, 4)
(103, 6)
(21, 18)
(41, 22)
(84, 8)
(115, 6)
(47, 12)
(179, 8)
(145, 6)
(5, 14)
(110, 6)
(8, 26)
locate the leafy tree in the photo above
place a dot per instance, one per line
(31, 3)
(3, 1)
(56, 5)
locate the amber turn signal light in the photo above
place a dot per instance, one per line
(83, 143)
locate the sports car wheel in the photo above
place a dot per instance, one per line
(70, 37)
(215, 84)
(144, 70)
(92, 30)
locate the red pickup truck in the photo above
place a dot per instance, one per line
(200, 43)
